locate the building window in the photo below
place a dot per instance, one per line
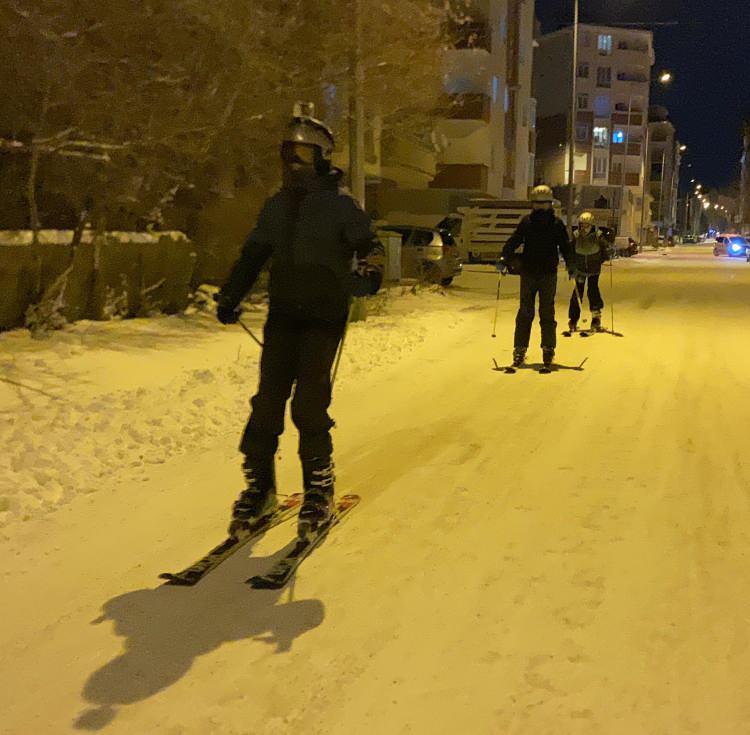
(600, 168)
(604, 44)
(495, 89)
(600, 137)
(602, 105)
(618, 136)
(583, 102)
(582, 133)
(604, 76)
(583, 71)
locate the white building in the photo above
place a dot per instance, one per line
(612, 98)
(484, 130)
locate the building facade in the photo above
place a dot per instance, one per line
(612, 84)
(663, 168)
(483, 136)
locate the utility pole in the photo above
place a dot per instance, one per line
(357, 109)
(572, 126)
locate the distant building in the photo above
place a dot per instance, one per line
(482, 143)
(613, 78)
(663, 168)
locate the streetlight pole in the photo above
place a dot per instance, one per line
(573, 118)
(625, 158)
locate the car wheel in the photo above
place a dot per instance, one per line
(446, 282)
(715, 253)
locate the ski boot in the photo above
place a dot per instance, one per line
(596, 321)
(259, 499)
(317, 506)
(548, 357)
(519, 356)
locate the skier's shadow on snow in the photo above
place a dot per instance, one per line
(167, 628)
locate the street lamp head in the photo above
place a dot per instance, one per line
(683, 148)
(666, 77)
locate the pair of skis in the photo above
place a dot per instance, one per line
(590, 332)
(280, 574)
(541, 369)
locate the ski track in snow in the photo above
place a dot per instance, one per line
(533, 555)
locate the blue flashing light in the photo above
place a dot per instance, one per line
(736, 249)
(618, 136)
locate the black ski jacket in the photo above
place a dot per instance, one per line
(315, 237)
(544, 239)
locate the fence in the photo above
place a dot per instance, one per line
(106, 275)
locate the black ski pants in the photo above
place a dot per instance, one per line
(544, 284)
(596, 302)
(299, 354)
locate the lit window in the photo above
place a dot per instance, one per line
(600, 168)
(495, 88)
(605, 44)
(618, 136)
(600, 137)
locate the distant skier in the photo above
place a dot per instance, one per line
(591, 251)
(318, 239)
(544, 238)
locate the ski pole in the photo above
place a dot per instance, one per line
(612, 293)
(250, 332)
(497, 304)
(341, 345)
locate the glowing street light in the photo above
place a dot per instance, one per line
(683, 148)
(666, 77)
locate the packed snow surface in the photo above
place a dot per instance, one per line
(534, 554)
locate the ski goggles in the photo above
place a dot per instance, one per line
(303, 153)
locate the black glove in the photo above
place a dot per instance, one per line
(227, 313)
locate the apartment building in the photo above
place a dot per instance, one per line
(663, 167)
(612, 84)
(484, 129)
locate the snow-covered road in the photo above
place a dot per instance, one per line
(534, 555)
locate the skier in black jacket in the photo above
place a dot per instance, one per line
(318, 239)
(544, 238)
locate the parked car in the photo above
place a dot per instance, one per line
(735, 246)
(427, 253)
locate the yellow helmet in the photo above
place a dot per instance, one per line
(586, 218)
(542, 194)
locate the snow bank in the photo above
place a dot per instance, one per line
(98, 404)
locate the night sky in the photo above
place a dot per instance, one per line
(709, 53)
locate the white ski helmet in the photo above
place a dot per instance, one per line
(542, 194)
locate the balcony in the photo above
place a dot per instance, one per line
(631, 179)
(467, 107)
(641, 48)
(632, 77)
(474, 34)
(622, 119)
(618, 149)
